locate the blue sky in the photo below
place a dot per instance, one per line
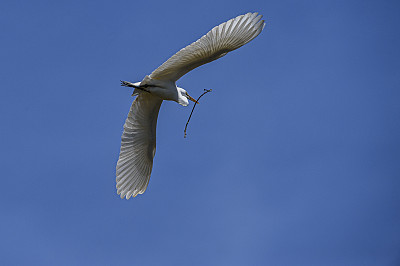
(293, 159)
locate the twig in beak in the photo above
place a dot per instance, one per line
(195, 102)
(191, 98)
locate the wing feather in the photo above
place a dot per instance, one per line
(216, 43)
(138, 146)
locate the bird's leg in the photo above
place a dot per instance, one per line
(142, 87)
(127, 84)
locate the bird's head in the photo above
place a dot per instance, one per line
(184, 97)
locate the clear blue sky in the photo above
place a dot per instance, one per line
(293, 159)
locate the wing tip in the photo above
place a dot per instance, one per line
(128, 191)
(128, 194)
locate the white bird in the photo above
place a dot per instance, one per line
(138, 141)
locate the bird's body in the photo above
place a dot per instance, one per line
(138, 141)
(164, 89)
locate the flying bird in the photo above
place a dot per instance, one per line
(138, 141)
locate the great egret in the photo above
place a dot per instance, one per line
(138, 141)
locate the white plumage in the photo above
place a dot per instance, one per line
(138, 142)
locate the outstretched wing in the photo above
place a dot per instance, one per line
(216, 43)
(138, 146)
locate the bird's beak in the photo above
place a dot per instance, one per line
(191, 98)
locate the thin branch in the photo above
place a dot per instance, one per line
(205, 91)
